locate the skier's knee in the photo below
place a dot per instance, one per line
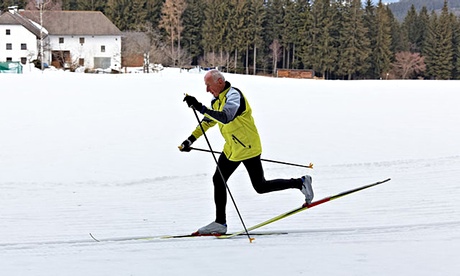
(259, 188)
(217, 180)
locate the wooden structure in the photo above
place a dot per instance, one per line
(295, 73)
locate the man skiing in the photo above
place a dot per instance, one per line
(231, 111)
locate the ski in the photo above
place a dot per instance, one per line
(223, 235)
(149, 238)
(139, 238)
(301, 208)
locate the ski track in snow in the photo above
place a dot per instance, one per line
(115, 176)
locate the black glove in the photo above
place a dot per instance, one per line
(185, 146)
(193, 102)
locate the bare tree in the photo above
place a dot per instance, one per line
(213, 60)
(136, 45)
(42, 6)
(408, 65)
(49, 5)
(275, 49)
(181, 57)
(157, 54)
(171, 22)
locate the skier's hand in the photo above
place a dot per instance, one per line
(192, 102)
(185, 146)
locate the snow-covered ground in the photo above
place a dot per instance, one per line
(98, 154)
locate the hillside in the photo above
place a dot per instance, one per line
(400, 8)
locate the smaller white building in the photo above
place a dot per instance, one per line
(18, 38)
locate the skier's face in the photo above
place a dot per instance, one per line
(213, 87)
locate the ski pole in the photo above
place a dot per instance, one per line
(309, 166)
(221, 175)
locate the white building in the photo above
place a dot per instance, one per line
(72, 38)
(18, 38)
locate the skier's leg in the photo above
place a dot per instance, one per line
(227, 168)
(261, 185)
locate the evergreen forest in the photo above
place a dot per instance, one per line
(337, 39)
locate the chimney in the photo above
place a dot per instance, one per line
(13, 9)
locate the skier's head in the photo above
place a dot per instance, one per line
(215, 82)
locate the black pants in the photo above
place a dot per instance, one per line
(256, 174)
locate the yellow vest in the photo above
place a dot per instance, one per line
(242, 139)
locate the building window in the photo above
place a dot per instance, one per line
(9, 59)
(103, 48)
(9, 46)
(23, 46)
(8, 31)
(82, 40)
(23, 60)
(61, 40)
(81, 62)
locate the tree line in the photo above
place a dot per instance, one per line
(338, 39)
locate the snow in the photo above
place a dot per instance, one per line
(83, 153)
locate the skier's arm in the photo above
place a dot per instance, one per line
(206, 124)
(232, 104)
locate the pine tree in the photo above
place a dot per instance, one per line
(325, 36)
(214, 28)
(153, 12)
(411, 31)
(237, 31)
(274, 22)
(370, 23)
(289, 31)
(91, 5)
(382, 53)
(223, 12)
(306, 35)
(193, 23)
(398, 38)
(430, 47)
(71, 5)
(300, 8)
(439, 48)
(456, 49)
(138, 15)
(354, 45)
(445, 46)
(226, 45)
(255, 19)
(422, 26)
(116, 11)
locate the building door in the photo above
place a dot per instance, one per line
(61, 59)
